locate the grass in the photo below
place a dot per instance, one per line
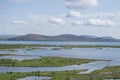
(8, 54)
(59, 75)
(56, 49)
(44, 62)
(35, 46)
(106, 73)
(13, 47)
(5, 54)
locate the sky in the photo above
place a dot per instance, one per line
(54, 17)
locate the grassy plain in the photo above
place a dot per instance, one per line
(44, 62)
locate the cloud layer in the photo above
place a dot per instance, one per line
(18, 22)
(75, 18)
(75, 14)
(99, 22)
(57, 21)
(80, 4)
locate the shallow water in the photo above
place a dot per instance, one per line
(89, 66)
(20, 58)
(112, 54)
(35, 78)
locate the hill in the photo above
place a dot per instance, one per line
(5, 37)
(63, 37)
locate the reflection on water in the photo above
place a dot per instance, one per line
(36, 78)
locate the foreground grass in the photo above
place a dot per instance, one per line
(59, 75)
(106, 73)
(44, 61)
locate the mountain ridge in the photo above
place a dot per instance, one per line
(63, 37)
(5, 37)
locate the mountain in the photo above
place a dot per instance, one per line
(63, 37)
(5, 37)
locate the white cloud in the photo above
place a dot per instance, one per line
(17, 1)
(80, 4)
(75, 14)
(18, 22)
(57, 21)
(99, 22)
(76, 18)
(103, 15)
(38, 17)
(48, 20)
(118, 14)
(78, 23)
(106, 15)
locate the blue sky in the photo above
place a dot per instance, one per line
(54, 17)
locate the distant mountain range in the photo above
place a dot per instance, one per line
(63, 37)
(5, 37)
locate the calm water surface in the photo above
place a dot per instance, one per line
(60, 42)
(112, 54)
(87, 53)
(36, 78)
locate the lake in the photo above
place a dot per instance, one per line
(112, 54)
(87, 53)
(60, 42)
(36, 78)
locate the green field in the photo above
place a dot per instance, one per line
(5, 54)
(44, 61)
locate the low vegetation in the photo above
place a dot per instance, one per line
(44, 61)
(5, 54)
(13, 47)
(107, 73)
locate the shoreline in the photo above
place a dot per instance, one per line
(45, 62)
(70, 75)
